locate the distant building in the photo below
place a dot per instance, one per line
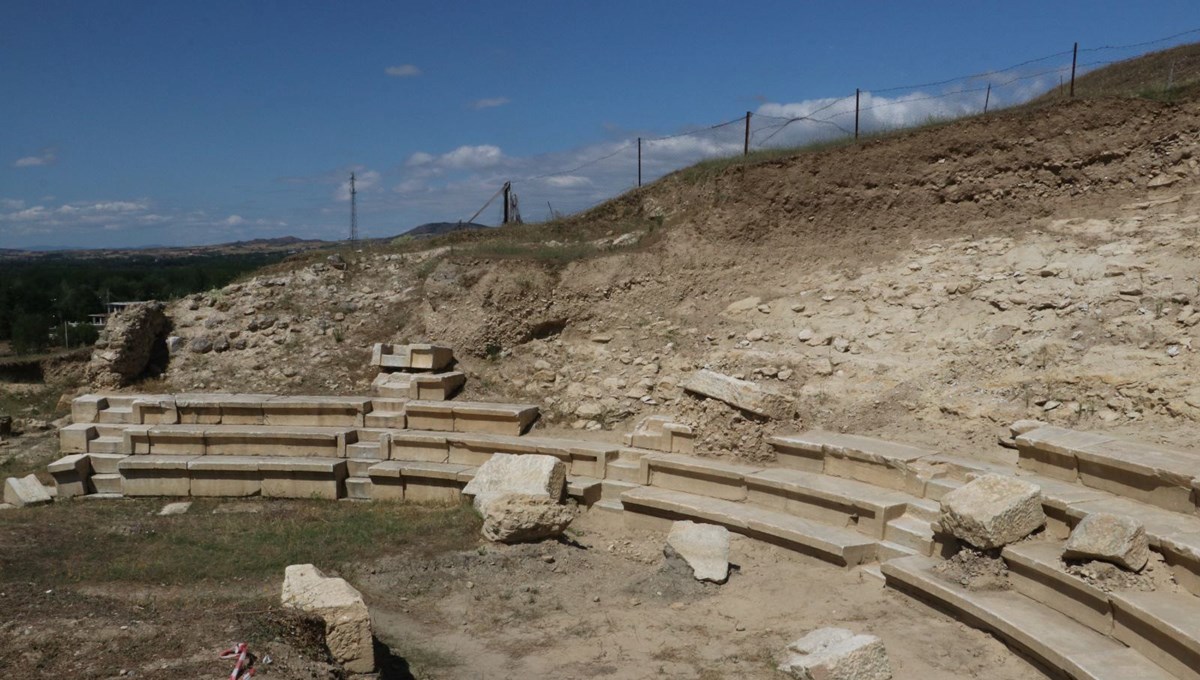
(99, 320)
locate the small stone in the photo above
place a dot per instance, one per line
(1051, 405)
(756, 335)
(1111, 538)
(837, 654)
(765, 309)
(797, 308)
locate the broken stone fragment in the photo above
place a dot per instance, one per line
(837, 654)
(348, 632)
(703, 547)
(741, 394)
(519, 518)
(993, 511)
(23, 491)
(1111, 538)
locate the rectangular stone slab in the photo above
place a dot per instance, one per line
(1050, 638)
(697, 475)
(232, 476)
(413, 445)
(316, 411)
(1163, 626)
(804, 451)
(155, 475)
(1148, 473)
(419, 357)
(742, 394)
(1035, 571)
(303, 477)
(1051, 451)
(840, 502)
(74, 438)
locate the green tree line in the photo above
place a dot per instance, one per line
(37, 298)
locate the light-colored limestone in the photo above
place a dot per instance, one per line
(107, 484)
(86, 409)
(225, 476)
(1051, 450)
(742, 394)
(416, 357)
(661, 433)
(177, 508)
(1036, 570)
(74, 438)
(837, 654)
(836, 501)
(25, 491)
(71, 474)
(701, 476)
(1161, 625)
(520, 518)
(155, 475)
(993, 511)
(1110, 538)
(704, 547)
(303, 477)
(418, 386)
(348, 632)
(105, 463)
(528, 475)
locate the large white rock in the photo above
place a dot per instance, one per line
(526, 475)
(704, 547)
(837, 654)
(517, 518)
(347, 621)
(23, 491)
(1112, 538)
(993, 511)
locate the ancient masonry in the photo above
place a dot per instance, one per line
(889, 509)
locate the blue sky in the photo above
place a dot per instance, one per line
(134, 123)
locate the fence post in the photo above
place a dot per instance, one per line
(639, 161)
(746, 144)
(987, 97)
(1074, 58)
(507, 189)
(857, 92)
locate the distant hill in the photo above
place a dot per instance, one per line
(439, 228)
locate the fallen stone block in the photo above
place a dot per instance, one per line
(519, 518)
(71, 474)
(837, 654)
(347, 622)
(1111, 538)
(741, 394)
(703, 547)
(175, 508)
(23, 491)
(993, 511)
(503, 474)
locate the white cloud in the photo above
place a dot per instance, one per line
(489, 103)
(403, 71)
(47, 157)
(233, 221)
(568, 181)
(482, 156)
(11, 203)
(419, 158)
(363, 181)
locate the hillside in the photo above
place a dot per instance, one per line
(930, 286)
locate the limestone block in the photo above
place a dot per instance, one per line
(86, 409)
(837, 654)
(660, 433)
(417, 357)
(520, 518)
(348, 632)
(71, 474)
(107, 483)
(993, 511)
(529, 475)
(75, 438)
(105, 463)
(1111, 538)
(704, 547)
(741, 394)
(23, 491)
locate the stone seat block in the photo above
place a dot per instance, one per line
(1053, 640)
(155, 475)
(700, 476)
(107, 484)
(71, 474)
(874, 461)
(150, 410)
(805, 451)
(225, 476)
(832, 500)
(470, 416)
(109, 445)
(221, 408)
(1182, 552)
(581, 457)
(1149, 473)
(418, 386)
(105, 463)
(477, 449)
(654, 508)
(1051, 451)
(318, 411)
(1036, 571)
(585, 490)
(413, 357)
(265, 440)
(416, 445)
(1163, 626)
(303, 477)
(171, 439)
(417, 481)
(87, 408)
(74, 438)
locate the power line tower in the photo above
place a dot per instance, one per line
(353, 210)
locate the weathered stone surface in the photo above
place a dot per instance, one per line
(704, 547)
(23, 491)
(526, 474)
(347, 622)
(741, 394)
(175, 508)
(993, 511)
(129, 343)
(1020, 427)
(1111, 538)
(518, 518)
(837, 654)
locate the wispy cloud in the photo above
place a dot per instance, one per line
(47, 157)
(403, 71)
(488, 103)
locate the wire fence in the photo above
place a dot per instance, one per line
(599, 172)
